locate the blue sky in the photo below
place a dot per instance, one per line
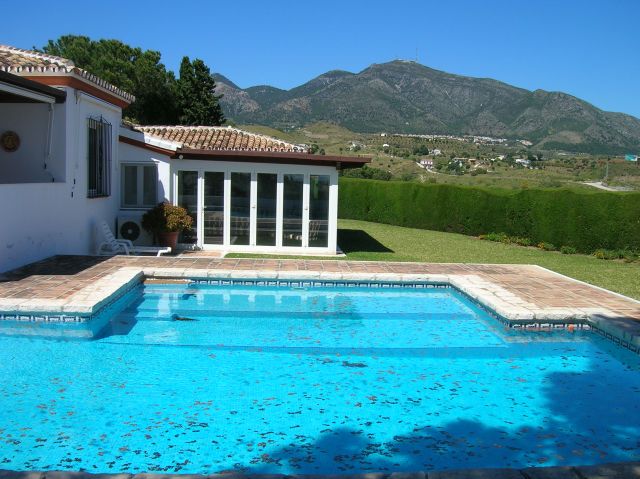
(587, 48)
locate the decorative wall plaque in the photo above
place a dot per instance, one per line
(10, 141)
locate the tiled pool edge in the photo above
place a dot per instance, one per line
(620, 330)
(498, 301)
(83, 315)
(82, 305)
(619, 470)
(503, 304)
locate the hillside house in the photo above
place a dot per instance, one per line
(67, 164)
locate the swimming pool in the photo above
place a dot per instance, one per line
(198, 378)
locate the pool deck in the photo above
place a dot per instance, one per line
(622, 470)
(523, 295)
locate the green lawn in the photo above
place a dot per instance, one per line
(362, 240)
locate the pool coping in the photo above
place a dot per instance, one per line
(627, 470)
(504, 304)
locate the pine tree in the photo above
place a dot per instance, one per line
(136, 71)
(197, 102)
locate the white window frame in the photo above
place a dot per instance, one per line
(139, 187)
(254, 168)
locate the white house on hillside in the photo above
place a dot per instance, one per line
(67, 164)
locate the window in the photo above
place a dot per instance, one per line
(319, 210)
(99, 157)
(267, 209)
(292, 210)
(188, 199)
(214, 207)
(139, 186)
(240, 208)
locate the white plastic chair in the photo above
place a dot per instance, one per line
(112, 246)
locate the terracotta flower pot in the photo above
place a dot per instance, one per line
(168, 238)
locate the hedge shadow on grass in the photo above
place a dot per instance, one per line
(352, 241)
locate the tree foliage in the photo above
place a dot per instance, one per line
(421, 150)
(160, 97)
(197, 102)
(369, 173)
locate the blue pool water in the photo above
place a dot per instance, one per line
(318, 380)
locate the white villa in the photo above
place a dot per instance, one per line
(67, 163)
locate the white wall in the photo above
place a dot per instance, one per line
(141, 156)
(130, 154)
(31, 122)
(57, 218)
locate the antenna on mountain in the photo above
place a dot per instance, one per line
(416, 54)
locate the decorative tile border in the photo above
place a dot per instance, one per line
(516, 324)
(575, 322)
(46, 318)
(617, 340)
(290, 283)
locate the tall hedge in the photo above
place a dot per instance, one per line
(585, 220)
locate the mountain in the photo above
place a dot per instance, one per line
(407, 97)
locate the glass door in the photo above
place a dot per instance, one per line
(240, 208)
(292, 210)
(319, 210)
(213, 207)
(267, 184)
(188, 199)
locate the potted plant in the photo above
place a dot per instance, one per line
(165, 221)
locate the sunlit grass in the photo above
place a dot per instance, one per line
(366, 241)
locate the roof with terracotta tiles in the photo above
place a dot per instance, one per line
(218, 138)
(31, 63)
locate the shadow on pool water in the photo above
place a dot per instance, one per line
(586, 425)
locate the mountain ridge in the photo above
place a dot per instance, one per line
(406, 97)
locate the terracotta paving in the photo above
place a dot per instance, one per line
(62, 276)
(619, 470)
(517, 292)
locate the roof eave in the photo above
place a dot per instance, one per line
(270, 156)
(141, 143)
(79, 82)
(54, 95)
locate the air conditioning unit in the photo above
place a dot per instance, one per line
(130, 227)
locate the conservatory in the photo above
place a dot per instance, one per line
(245, 192)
